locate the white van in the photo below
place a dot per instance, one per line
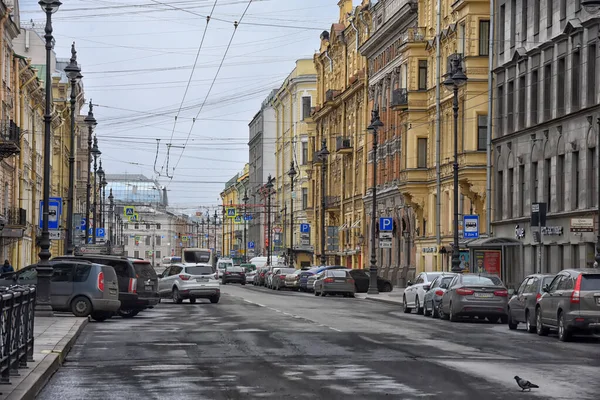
(222, 264)
(262, 261)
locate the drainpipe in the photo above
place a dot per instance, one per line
(438, 117)
(488, 189)
(330, 60)
(355, 30)
(361, 15)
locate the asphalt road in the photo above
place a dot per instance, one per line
(258, 343)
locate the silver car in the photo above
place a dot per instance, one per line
(434, 293)
(334, 281)
(570, 304)
(414, 294)
(475, 295)
(521, 306)
(278, 277)
(189, 281)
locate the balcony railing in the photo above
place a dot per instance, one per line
(399, 98)
(332, 202)
(10, 137)
(15, 216)
(414, 34)
(331, 94)
(343, 144)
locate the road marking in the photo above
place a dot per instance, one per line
(368, 339)
(253, 303)
(333, 329)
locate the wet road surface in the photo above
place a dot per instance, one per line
(258, 343)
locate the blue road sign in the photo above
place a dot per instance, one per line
(231, 212)
(386, 224)
(471, 226)
(100, 232)
(248, 217)
(54, 212)
(304, 228)
(206, 235)
(83, 221)
(250, 245)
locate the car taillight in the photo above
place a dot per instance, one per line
(227, 273)
(538, 296)
(464, 292)
(501, 293)
(184, 277)
(575, 299)
(281, 276)
(350, 280)
(132, 288)
(101, 281)
(439, 292)
(329, 280)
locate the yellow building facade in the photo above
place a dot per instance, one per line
(292, 105)
(232, 196)
(340, 119)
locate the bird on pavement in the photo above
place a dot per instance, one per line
(525, 385)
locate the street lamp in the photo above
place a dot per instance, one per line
(456, 79)
(91, 122)
(245, 200)
(373, 128)
(269, 187)
(103, 183)
(44, 269)
(215, 242)
(111, 215)
(292, 174)
(96, 153)
(323, 153)
(74, 74)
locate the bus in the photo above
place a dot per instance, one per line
(166, 261)
(199, 256)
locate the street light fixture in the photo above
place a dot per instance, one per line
(456, 79)
(44, 269)
(245, 200)
(96, 153)
(292, 174)
(323, 154)
(111, 215)
(215, 242)
(269, 187)
(373, 128)
(91, 123)
(103, 183)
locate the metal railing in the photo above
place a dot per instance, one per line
(17, 317)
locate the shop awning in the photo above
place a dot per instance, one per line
(343, 227)
(356, 225)
(492, 242)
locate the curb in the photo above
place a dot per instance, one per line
(51, 362)
(386, 301)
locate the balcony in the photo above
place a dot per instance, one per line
(343, 145)
(414, 35)
(332, 202)
(13, 221)
(399, 99)
(331, 94)
(10, 137)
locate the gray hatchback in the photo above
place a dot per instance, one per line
(521, 306)
(80, 287)
(334, 281)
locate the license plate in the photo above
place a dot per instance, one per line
(201, 280)
(340, 280)
(149, 288)
(484, 295)
(598, 300)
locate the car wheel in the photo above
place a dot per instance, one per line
(426, 310)
(387, 287)
(434, 310)
(128, 313)
(441, 312)
(504, 319)
(81, 306)
(175, 295)
(452, 316)
(316, 294)
(101, 316)
(512, 325)
(539, 327)
(192, 300)
(323, 294)
(214, 299)
(405, 306)
(530, 328)
(564, 334)
(418, 306)
(243, 283)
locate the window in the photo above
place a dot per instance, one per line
(136, 226)
(548, 91)
(513, 22)
(421, 153)
(500, 124)
(563, 9)
(126, 240)
(157, 226)
(524, 5)
(62, 273)
(521, 204)
(510, 107)
(79, 170)
(549, 12)
(591, 74)
(481, 132)
(548, 182)
(560, 182)
(125, 226)
(147, 240)
(484, 38)
(511, 192)
(577, 5)
(500, 195)
(575, 79)
(502, 24)
(536, 17)
(147, 226)
(158, 240)
(575, 179)
(422, 74)
(82, 271)
(158, 255)
(592, 167)
(136, 254)
(306, 106)
(533, 107)
(304, 153)
(461, 39)
(304, 198)
(534, 182)
(576, 258)
(560, 87)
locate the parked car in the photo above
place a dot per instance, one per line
(81, 287)
(233, 274)
(292, 281)
(414, 294)
(311, 278)
(260, 262)
(362, 280)
(521, 306)
(303, 280)
(138, 282)
(475, 295)
(434, 293)
(222, 264)
(334, 281)
(570, 304)
(189, 281)
(259, 280)
(278, 277)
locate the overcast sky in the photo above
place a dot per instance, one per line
(137, 57)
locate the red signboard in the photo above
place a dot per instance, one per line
(491, 262)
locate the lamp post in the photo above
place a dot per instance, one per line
(373, 128)
(44, 269)
(100, 174)
(292, 174)
(111, 215)
(245, 200)
(202, 233)
(456, 78)
(74, 74)
(96, 153)
(323, 154)
(215, 241)
(91, 122)
(103, 183)
(269, 187)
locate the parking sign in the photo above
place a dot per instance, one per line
(386, 224)
(304, 228)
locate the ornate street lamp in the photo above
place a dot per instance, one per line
(456, 79)
(44, 269)
(245, 200)
(323, 154)
(74, 74)
(90, 121)
(292, 174)
(111, 215)
(215, 241)
(96, 153)
(269, 187)
(374, 128)
(103, 184)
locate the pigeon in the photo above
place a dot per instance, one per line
(525, 385)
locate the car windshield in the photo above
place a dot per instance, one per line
(590, 282)
(481, 280)
(199, 270)
(285, 271)
(144, 270)
(249, 267)
(235, 269)
(446, 281)
(197, 256)
(337, 273)
(225, 265)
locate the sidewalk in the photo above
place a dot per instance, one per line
(393, 297)
(54, 338)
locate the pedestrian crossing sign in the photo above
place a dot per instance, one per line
(238, 219)
(231, 212)
(128, 211)
(134, 217)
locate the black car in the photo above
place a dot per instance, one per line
(138, 282)
(234, 275)
(361, 281)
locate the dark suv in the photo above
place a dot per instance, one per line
(138, 282)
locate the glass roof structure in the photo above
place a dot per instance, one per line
(135, 189)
